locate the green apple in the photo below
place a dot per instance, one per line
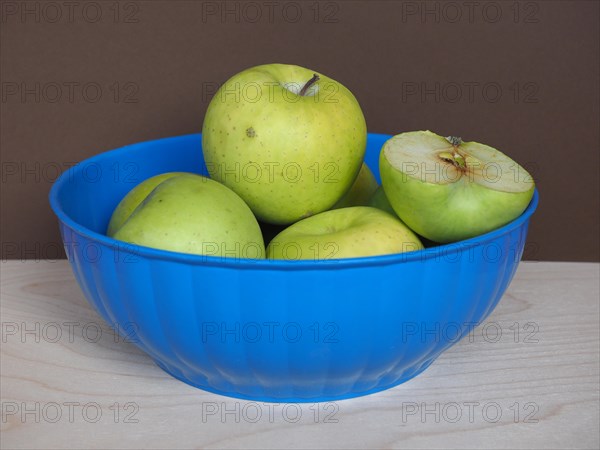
(380, 201)
(286, 139)
(343, 233)
(447, 190)
(361, 191)
(133, 198)
(190, 213)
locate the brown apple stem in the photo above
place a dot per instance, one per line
(309, 83)
(454, 140)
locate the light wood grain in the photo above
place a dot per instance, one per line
(555, 379)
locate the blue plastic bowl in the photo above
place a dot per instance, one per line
(275, 330)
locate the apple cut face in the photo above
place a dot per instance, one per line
(447, 190)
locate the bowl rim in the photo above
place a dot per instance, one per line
(272, 264)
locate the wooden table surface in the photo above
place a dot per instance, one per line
(526, 378)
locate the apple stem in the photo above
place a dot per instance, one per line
(454, 140)
(309, 83)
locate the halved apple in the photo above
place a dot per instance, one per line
(448, 190)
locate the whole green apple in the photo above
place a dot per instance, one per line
(361, 191)
(343, 233)
(133, 198)
(380, 201)
(190, 213)
(447, 190)
(286, 139)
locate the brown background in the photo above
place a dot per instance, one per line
(167, 57)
